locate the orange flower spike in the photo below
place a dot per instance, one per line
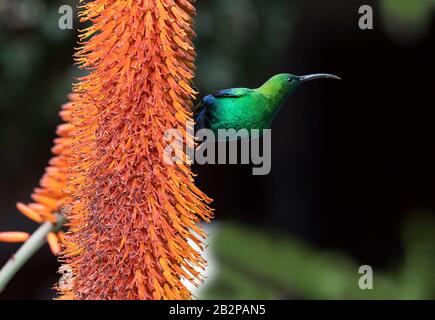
(122, 198)
(14, 236)
(48, 196)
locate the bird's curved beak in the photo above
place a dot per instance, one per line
(318, 76)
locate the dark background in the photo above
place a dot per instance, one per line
(350, 160)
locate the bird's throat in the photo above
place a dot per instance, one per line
(276, 93)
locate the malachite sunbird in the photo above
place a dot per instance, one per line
(242, 108)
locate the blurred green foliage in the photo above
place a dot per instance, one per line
(36, 71)
(254, 264)
(231, 34)
(406, 21)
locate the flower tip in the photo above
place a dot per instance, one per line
(54, 243)
(28, 212)
(14, 236)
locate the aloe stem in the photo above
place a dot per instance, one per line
(27, 250)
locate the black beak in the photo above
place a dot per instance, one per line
(318, 76)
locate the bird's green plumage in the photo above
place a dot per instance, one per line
(242, 108)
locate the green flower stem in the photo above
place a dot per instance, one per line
(27, 250)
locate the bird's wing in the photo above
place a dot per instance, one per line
(232, 93)
(200, 112)
(227, 93)
(199, 107)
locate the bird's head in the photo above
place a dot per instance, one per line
(285, 84)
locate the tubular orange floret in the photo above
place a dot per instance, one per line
(14, 236)
(28, 212)
(54, 243)
(130, 215)
(61, 236)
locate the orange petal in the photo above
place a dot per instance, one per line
(14, 236)
(46, 216)
(53, 242)
(61, 236)
(37, 207)
(29, 213)
(50, 203)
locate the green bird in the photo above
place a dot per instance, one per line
(242, 108)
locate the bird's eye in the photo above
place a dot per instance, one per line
(290, 80)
